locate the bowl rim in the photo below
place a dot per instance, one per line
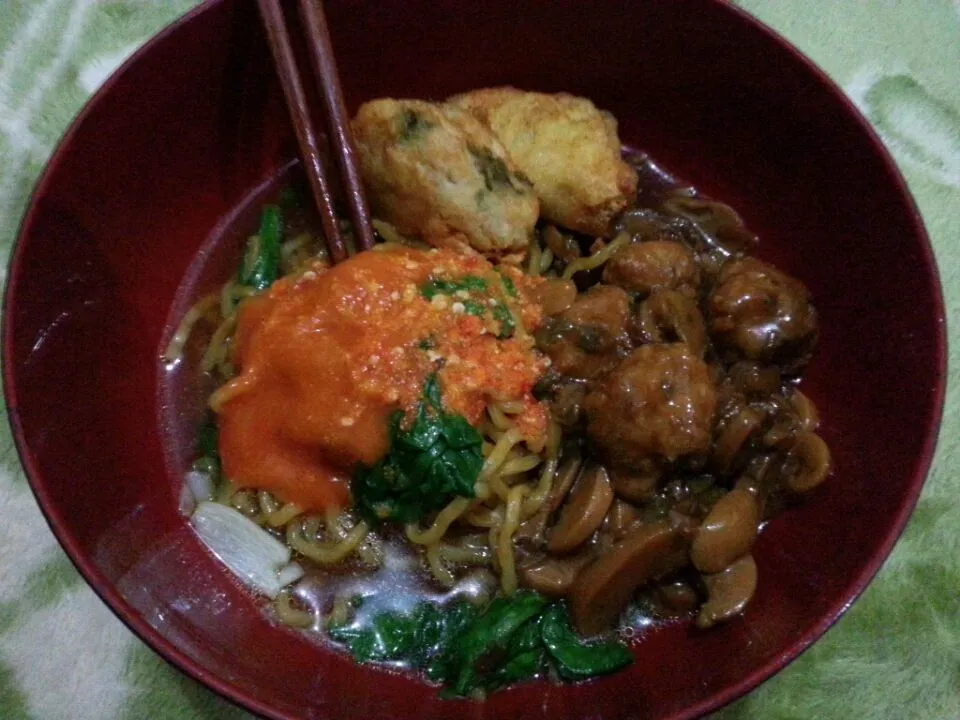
(173, 655)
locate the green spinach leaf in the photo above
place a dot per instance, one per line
(434, 460)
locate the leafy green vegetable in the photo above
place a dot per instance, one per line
(261, 261)
(515, 639)
(434, 460)
(207, 443)
(390, 636)
(508, 284)
(469, 283)
(472, 307)
(575, 659)
(502, 314)
(490, 635)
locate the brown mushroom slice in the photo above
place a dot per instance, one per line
(807, 463)
(727, 532)
(735, 433)
(728, 592)
(563, 480)
(552, 576)
(602, 589)
(584, 510)
(531, 531)
(807, 414)
(620, 518)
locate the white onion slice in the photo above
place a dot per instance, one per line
(249, 551)
(200, 484)
(290, 574)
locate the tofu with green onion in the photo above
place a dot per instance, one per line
(436, 173)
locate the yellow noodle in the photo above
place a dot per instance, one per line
(230, 295)
(511, 520)
(481, 490)
(332, 518)
(326, 553)
(598, 258)
(440, 572)
(225, 393)
(290, 615)
(465, 556)
(532, 503)
(519, 465)
(217, 349)
(498, 486)
(481, 517)
(175, 347)
(534, 265)
(268, 503)
(444, 519)
(511, 407)
(291, 248)
(283, 515)
(499, 420)
(499, 453)
(546, 260)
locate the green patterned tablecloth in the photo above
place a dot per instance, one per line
(896, 654)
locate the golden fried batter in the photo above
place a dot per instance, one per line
(434, 172)
(566, 146)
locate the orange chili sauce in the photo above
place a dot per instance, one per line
(326, 356)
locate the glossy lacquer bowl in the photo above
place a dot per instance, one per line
(163, 167)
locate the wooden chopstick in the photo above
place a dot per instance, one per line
(325, 70)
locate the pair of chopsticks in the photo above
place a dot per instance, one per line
(320, 51)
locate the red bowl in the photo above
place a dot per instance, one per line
(163, 162)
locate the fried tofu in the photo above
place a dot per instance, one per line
(567, 147)
(438, 174)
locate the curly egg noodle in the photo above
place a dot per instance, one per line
(366, 314)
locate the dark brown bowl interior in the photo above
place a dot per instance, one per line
(176, 145)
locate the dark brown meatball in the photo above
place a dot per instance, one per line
(587, 338)
(658, 402)
(603, 307)
(642, 267)
(758, 313)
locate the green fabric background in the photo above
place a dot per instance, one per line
(896, 654)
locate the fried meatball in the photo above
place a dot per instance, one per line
(758, 313)
(642, 267)
(567, 147)
(435, 173)
(658, 403)
(603, 307)
(588, 337)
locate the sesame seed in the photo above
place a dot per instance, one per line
(462, 294)
(309, 275)
(347, 421)
(458, 307)
(440, 301)
(433, 355)
(395, 295)
(492, 302)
